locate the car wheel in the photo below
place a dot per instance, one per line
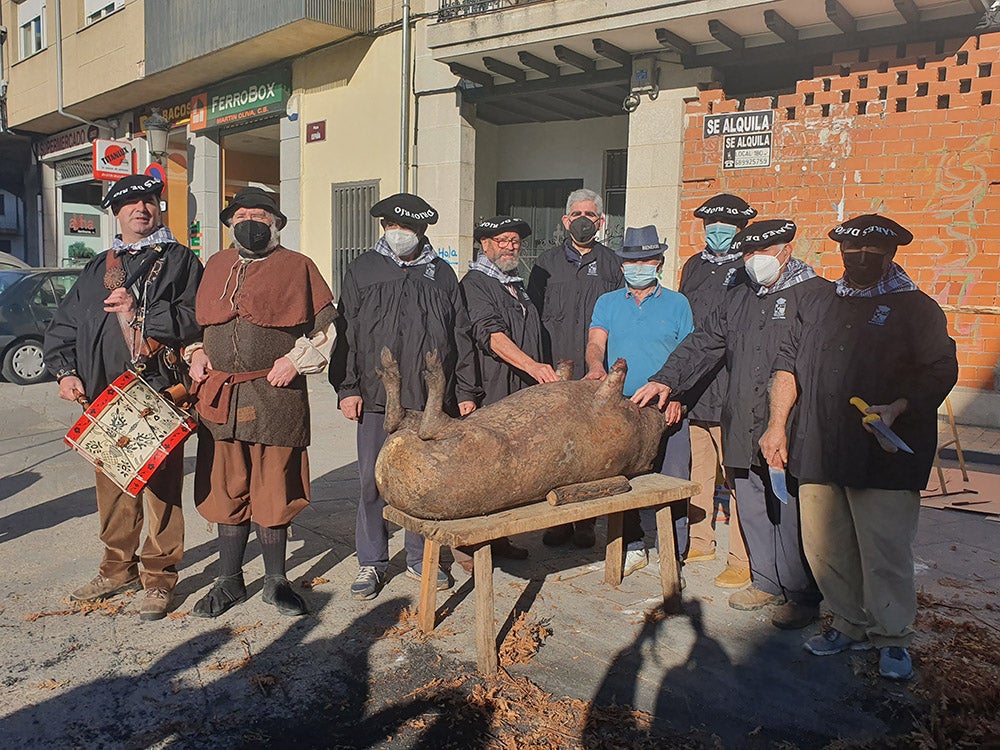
(23, 363)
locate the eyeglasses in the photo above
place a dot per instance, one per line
(508, 241)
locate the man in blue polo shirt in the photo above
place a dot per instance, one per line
(643, 323)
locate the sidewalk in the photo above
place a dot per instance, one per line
(349, 675)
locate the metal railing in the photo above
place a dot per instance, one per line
(451, 9)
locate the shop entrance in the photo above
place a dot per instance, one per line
(84, 228)
(251, 158)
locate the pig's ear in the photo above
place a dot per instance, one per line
(388, 361)
(610, 388)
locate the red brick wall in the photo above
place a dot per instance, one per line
(914, 136)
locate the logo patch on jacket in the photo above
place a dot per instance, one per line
(592, 269)
(779, 309)
(431, 270)
(730, 279)
(880, 316)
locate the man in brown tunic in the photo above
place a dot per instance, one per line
(267, 316)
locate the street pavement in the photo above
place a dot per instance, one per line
(345, 675)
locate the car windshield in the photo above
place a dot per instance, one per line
(8, 279)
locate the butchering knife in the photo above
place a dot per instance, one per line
(881, 428)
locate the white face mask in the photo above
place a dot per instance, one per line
(763, 270)
(401, 241)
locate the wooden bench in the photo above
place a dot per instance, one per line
(648, 490)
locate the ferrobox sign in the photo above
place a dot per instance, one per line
(747, 137)
(113, 160)
(241, 100)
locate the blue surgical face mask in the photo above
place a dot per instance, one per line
(639, 275)
(718, 237)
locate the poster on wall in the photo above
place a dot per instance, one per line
(81, 233)
(113, 160)
(746, 137)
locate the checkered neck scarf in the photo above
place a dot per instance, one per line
(718, 260)
(161, 236)
(895, 280)
(795, 272)
(487, 266)
(427, 253)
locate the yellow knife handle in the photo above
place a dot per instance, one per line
(862, 406)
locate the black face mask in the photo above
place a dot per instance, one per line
(862, 270)
(582, 230)
(252, 235)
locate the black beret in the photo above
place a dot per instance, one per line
(729, 209)
(499, 225)
(133, 186)
(871, 227)
(763, 234)
(253, 197)
(405, 208)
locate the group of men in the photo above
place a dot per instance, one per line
(753, 362)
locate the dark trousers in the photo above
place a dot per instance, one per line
(774, 540)
(371, 536)
(675, 461)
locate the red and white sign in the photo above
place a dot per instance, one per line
(316, 131)
(156, 170)
(113, 160)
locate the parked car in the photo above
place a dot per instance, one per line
(28, 300)
(8, 261)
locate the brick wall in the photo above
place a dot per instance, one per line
(910, 131)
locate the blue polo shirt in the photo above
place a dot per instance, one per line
(642, 333)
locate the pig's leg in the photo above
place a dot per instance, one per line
(564, 369)
(610, 388)
(389, 372)
(434, 422)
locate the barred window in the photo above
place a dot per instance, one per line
(354, 229)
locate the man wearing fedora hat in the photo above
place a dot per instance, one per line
(873, 335)
(642, 324)
(268, 316)
(743, 334)
(86, 350)
(401, 296)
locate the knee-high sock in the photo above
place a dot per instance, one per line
(232, 546)
(273, 542)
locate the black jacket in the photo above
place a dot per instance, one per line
(411, 310)
(879, 348)
(493, 309)
(83, 337)
(705, 285)
(565, 293)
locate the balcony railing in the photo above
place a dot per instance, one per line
(451, 9)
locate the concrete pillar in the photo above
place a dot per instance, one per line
(50, 217)
(205, 191)
(291, 183)
(656, 158)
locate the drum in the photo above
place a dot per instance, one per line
(128, 431)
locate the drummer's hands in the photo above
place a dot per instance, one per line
(282, 373)
(120, 301)
(70, 388)
(200, 365)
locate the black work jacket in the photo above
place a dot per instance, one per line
(493, 309)
(705, 285)
(412, 310)
(565, 293)
(879, 348)
(81, 336)
(744, 333)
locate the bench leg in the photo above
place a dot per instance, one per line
(427, 611)
(670, 572)
(614, 560)
(486, 629)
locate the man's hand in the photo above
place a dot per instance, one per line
(350, 407)
(774, 448)
(70, 388)
(200, 365)
(465, 408)
(543, 373)
(282, 373)
(120, 301)
(595, 374)
(673, 413)
(650, 391)
(888, 412)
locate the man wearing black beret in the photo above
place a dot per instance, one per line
(873, 335)
(743, 333)
(92, 339)
(402, 296)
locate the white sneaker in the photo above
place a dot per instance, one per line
(634, 560)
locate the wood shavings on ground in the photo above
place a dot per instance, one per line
(318, 581)
(178, 615)
(409, 625)
(523, 640)
(51, 684)
(264, 682)
(230, 665)
(245, 628)
(106, 607)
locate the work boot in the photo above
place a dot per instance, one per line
(226, 593)
(794, 615)
(752, 598)
(155, 603)
(558, 535)
(505, 549)
(583, 534)
(733, 577)
(697, 553)
(279, 592)
(104, 588)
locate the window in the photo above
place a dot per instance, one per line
(31, 27)
(95, 10)
(354, 229)
(615, 173)
(44, 296)
(541, 203)
(3, 204)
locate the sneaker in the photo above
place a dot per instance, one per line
(752, 598)
(444, 580)
(104, 588)
(733, 577)
(155, 603)
(794, 615)
(368, 583)
(894, 663)
(635, 559)
(834, 642)
(699, 554)
(558, 535)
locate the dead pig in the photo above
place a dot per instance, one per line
(514, 451)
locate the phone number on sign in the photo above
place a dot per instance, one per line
(757, 157)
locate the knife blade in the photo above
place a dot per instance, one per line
(875, 422)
